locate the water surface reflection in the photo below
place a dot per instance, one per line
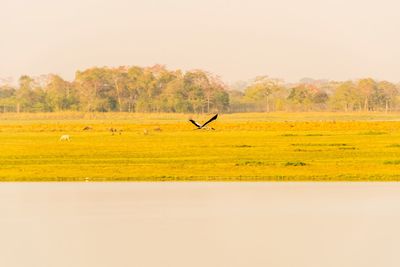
(200, 224)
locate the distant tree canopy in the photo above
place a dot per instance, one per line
(157, 89)
(124, 89)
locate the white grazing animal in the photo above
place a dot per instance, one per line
(65, 137)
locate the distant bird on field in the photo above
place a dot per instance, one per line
(204, 125)
(115, 131)
(65, 137)
(87, 128)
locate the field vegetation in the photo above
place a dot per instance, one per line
(165, 147)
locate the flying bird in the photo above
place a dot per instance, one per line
(199, 126)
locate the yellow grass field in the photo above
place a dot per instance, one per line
(164, 147)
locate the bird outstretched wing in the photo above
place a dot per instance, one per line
(195, 123)
(210, 120)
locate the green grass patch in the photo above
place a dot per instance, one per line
(392, 162)
(373, 133)
(316, 134)
(295, 163)
(251, 163)
(307, 150)
(319, 144)
(243, 146)
(393, 145)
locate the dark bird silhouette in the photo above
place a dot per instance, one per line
(87, 128)
(204, 125)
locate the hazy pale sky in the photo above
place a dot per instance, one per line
(289, 39)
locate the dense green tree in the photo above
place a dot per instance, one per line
(263, 89)
(367, 87)
(25, 97)
(389, 92)
(346, 97)
(192, 91)
(306, 97)
(59, 94)
(7, 98)
(95, 90)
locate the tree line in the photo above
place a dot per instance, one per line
(157, 89)
(367, 94)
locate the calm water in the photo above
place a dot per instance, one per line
(200, 224)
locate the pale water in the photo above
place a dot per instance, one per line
(200, 224)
